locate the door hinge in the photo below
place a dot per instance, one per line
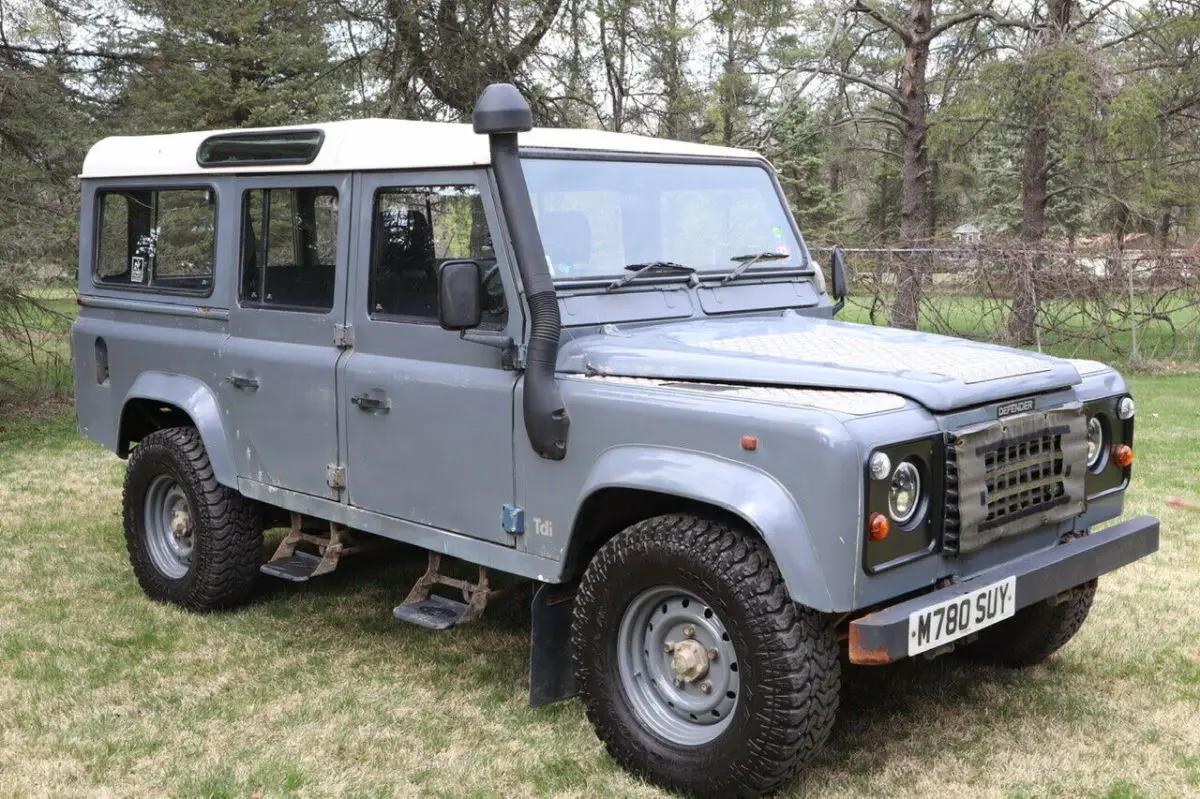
(343, 336)
(335, 476)
(512, 519)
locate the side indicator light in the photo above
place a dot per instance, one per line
(1122, 455)
(750, 443)
(878, 527)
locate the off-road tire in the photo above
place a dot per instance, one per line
(1036, 632)
(788, 657)
(228, 539)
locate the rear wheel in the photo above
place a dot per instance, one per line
(697, 669)
(191, 540)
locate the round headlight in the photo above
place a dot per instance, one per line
(1095, 442)
(1125, 408)
(905, 493)
(880, 466)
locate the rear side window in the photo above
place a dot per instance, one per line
(415, 230)
(289, 248)
(160, 239)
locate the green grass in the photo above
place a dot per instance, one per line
(35, 358)
(316, 691)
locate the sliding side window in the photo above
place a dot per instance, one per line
(159, 239)
(289, 248)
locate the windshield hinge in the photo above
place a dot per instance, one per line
(343, 336)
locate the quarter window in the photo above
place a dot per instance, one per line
(415, 230)
(289, 248)
(158, 239)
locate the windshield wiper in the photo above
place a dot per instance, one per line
(650, 267)
(749, 260)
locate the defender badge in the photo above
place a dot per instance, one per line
(1013, 408)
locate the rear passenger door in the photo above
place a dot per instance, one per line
(278, 367)
(428, 415)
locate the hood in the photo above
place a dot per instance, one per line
(940, 372)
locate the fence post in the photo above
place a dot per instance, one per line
(1134, 355)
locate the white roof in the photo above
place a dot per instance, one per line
(370, 144)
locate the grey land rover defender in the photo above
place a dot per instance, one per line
(603, 362)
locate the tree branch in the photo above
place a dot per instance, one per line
(862, 81)
(860, 7)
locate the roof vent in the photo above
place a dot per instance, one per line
(260, 149)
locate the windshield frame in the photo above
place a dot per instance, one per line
(805, 268)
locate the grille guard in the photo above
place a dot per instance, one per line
(1011, 476)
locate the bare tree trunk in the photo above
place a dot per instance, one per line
(1035, 179)
(674, 114)
(916, 200)
(730, 88)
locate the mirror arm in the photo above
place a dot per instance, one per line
(838, 306)
(513, 357)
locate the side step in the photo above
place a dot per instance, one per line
(298, 566)
(425, 609)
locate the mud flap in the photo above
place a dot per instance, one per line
(551, 678)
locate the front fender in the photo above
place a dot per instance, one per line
(197, 400)
(750, 493)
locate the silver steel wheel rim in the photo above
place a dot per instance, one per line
(169, 523)
(652, 641)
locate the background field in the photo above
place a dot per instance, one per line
(315, 691)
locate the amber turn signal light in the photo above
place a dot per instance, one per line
(1122, 455)
(878, 527)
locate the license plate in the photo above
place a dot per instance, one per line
(931, 627)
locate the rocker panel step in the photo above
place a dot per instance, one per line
(435, 613)
(297, 568)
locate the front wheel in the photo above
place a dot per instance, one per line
(697, 669)
(191, 540)
(1035, 632)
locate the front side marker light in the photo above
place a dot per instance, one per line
(878, 527)
(1125, 408)
(1122, 455)
(880, 466)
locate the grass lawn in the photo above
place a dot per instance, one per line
(315, 690)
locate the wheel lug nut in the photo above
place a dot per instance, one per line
(689, 631)
(669, 647)
(678, 682)
(706, 687)
(712, 654)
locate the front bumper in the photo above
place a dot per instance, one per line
(882, 637)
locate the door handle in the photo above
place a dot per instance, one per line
(366, 402)
(242, 381)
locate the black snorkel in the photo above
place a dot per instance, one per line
(501, 113)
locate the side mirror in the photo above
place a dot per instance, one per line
(837, 262)
(460, 304)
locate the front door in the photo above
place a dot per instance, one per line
(428, 415)
(278, 367)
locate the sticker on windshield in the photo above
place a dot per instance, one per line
(781, 248)
(137, 269)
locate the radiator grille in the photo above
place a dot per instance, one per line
(1023, 478)
(1011, 476)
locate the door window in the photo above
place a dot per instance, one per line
(289, 248)
(415, 229)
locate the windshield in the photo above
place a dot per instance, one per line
(598, 217)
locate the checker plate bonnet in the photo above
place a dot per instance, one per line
(940, 372)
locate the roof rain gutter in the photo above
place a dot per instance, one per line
(501, 113)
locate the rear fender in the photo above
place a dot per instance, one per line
(197, 400)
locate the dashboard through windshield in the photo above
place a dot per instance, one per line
(598, 217)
